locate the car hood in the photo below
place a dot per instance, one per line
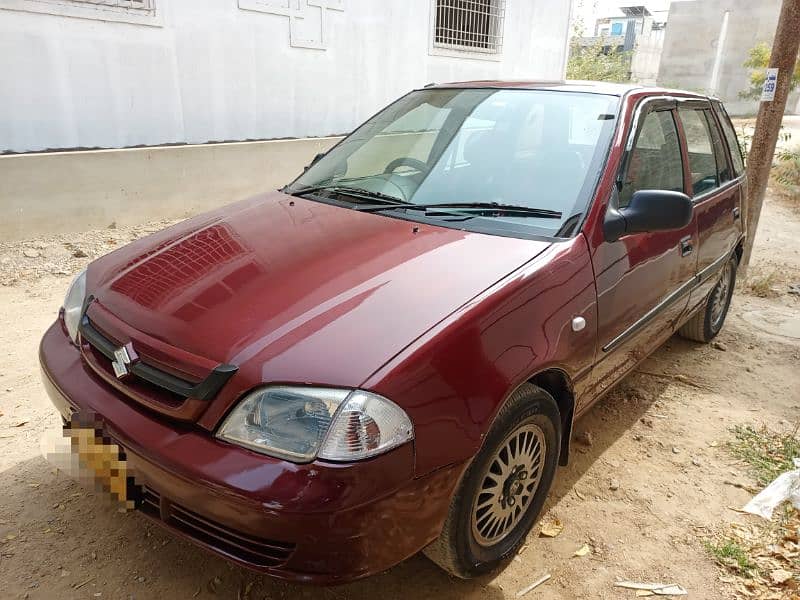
(293, 290)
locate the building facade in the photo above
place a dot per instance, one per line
(707, 42)
(621, 32)
(124, 111)
(77, 74)
(633, 18)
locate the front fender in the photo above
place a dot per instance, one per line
(454, 379)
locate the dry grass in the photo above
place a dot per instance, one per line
(763, 286)
(762, 558)
(785, 173)
(733, 556)
(767, 453)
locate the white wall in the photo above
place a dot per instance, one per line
(212, 71)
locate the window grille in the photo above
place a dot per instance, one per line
(473, 25)
(139, 12)
(140, 4)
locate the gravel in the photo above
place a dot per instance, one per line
(65, 254)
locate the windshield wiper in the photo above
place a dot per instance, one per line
(483, 209)
(354, 192)
(458, 209)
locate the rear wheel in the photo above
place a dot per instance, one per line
(503, 490)
(707, 323)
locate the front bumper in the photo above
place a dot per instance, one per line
(318, 523)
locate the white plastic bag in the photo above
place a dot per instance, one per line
(785, 487)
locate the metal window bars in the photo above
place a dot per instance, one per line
(135, 4)
(473, 25)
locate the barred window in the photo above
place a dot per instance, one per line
(141, 12)
(472, 25)
(141, 4)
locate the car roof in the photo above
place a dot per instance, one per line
(595, 87)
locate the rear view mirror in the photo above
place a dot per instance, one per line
(649, 210)
(314, 161)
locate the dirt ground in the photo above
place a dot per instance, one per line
(655, 482)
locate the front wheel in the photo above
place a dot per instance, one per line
(707, 323)
(502, 492)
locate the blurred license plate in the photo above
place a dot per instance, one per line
(102, 461)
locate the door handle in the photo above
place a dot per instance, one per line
(737, 213)
(686, 246)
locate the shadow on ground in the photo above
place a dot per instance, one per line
(92, 548)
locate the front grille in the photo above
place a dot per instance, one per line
(204, 390)
(264, 553)
(150, 502)
(144, 380)
(235, 544)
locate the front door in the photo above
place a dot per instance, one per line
(643, 279)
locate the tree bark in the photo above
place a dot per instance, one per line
(768, 124)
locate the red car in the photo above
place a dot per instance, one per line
(388, 354)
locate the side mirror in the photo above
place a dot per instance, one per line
(314, 161)
(649, 210)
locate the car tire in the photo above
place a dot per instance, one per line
(506, 483)
(707, 323)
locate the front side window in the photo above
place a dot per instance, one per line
(655, 159)
(700, 146)
(534, 149)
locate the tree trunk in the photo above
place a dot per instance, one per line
(770, 114)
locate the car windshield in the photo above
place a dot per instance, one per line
(530, 149)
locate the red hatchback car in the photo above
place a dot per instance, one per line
(388, 354)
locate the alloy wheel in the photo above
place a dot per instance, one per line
(719, 297)
(508, 485)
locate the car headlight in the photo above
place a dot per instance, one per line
(301, 423)
(73, 305)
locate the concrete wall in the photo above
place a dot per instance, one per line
(693, 36)
(221, 70)
(61, 192)
(647, 57)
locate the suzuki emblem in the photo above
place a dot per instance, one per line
(123, 358)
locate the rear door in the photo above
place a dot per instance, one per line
(737, 161)
(716, 191)
(643, 279)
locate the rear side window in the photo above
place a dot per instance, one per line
(702, 157)
(720, 156)
(655, 160)
(733, 143)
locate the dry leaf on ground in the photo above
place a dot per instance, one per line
(583, 550)
(780, 576)
(552, 528)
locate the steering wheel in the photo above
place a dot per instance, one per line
(407, 161)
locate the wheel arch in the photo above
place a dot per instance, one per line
(558, 384)
(739, 250)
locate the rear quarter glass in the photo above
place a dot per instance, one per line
(730, 138)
